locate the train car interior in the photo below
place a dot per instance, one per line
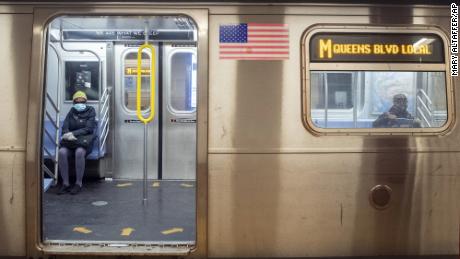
(140, 177)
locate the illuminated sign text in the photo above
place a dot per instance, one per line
(376, 48)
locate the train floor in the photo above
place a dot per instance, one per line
(114, 211)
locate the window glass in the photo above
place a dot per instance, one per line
(82, 76)
(339, 88)
(130, 81)
(378, 99)
(183, 82)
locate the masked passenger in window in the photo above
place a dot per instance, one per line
(397, 116)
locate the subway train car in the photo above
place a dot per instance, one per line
(228, 129)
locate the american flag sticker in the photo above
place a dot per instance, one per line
(254, 41)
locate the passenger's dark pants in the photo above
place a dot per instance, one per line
(64, 154)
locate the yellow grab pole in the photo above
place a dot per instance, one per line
(152, 105)
(139, 84)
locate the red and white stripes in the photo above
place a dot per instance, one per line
(264, 42)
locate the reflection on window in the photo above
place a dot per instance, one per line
(378, 99)
(130, 81)
(183, 82)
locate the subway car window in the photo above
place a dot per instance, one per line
(338, 87)
(378, 99)
(130, 81)
(114, 175)
(183, 86)
(357, 81)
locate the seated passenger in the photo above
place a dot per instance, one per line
(397, 116)
(77, 137)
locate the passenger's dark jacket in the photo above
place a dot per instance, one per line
(81, 124)
(383, 121)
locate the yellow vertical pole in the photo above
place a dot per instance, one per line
(152, 104)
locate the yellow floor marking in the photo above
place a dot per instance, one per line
(186, 185)
(82, 230)
(124, 184)
(172, 231)
(127, 231)
(156, 184)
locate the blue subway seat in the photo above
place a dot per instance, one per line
(49, 144)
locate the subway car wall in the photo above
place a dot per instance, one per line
(277, 130)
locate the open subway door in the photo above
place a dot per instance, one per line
(179, 111)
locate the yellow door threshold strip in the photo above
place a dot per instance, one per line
(172, 231)
(82, 230)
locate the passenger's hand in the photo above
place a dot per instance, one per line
(69, 136)
(66, 135)
(392, 116)
(72, 137)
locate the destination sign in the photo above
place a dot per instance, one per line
(355, 47)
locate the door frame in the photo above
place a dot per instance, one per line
(42, 16)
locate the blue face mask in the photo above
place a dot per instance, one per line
(79, 106)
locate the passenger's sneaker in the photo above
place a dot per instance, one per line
(64, 189)
(75, 189)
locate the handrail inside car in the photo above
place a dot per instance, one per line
(139, 84)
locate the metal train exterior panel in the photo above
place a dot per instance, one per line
(267, 184)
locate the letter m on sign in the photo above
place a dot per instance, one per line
(325, 46)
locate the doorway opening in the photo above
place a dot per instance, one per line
(125, 198)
